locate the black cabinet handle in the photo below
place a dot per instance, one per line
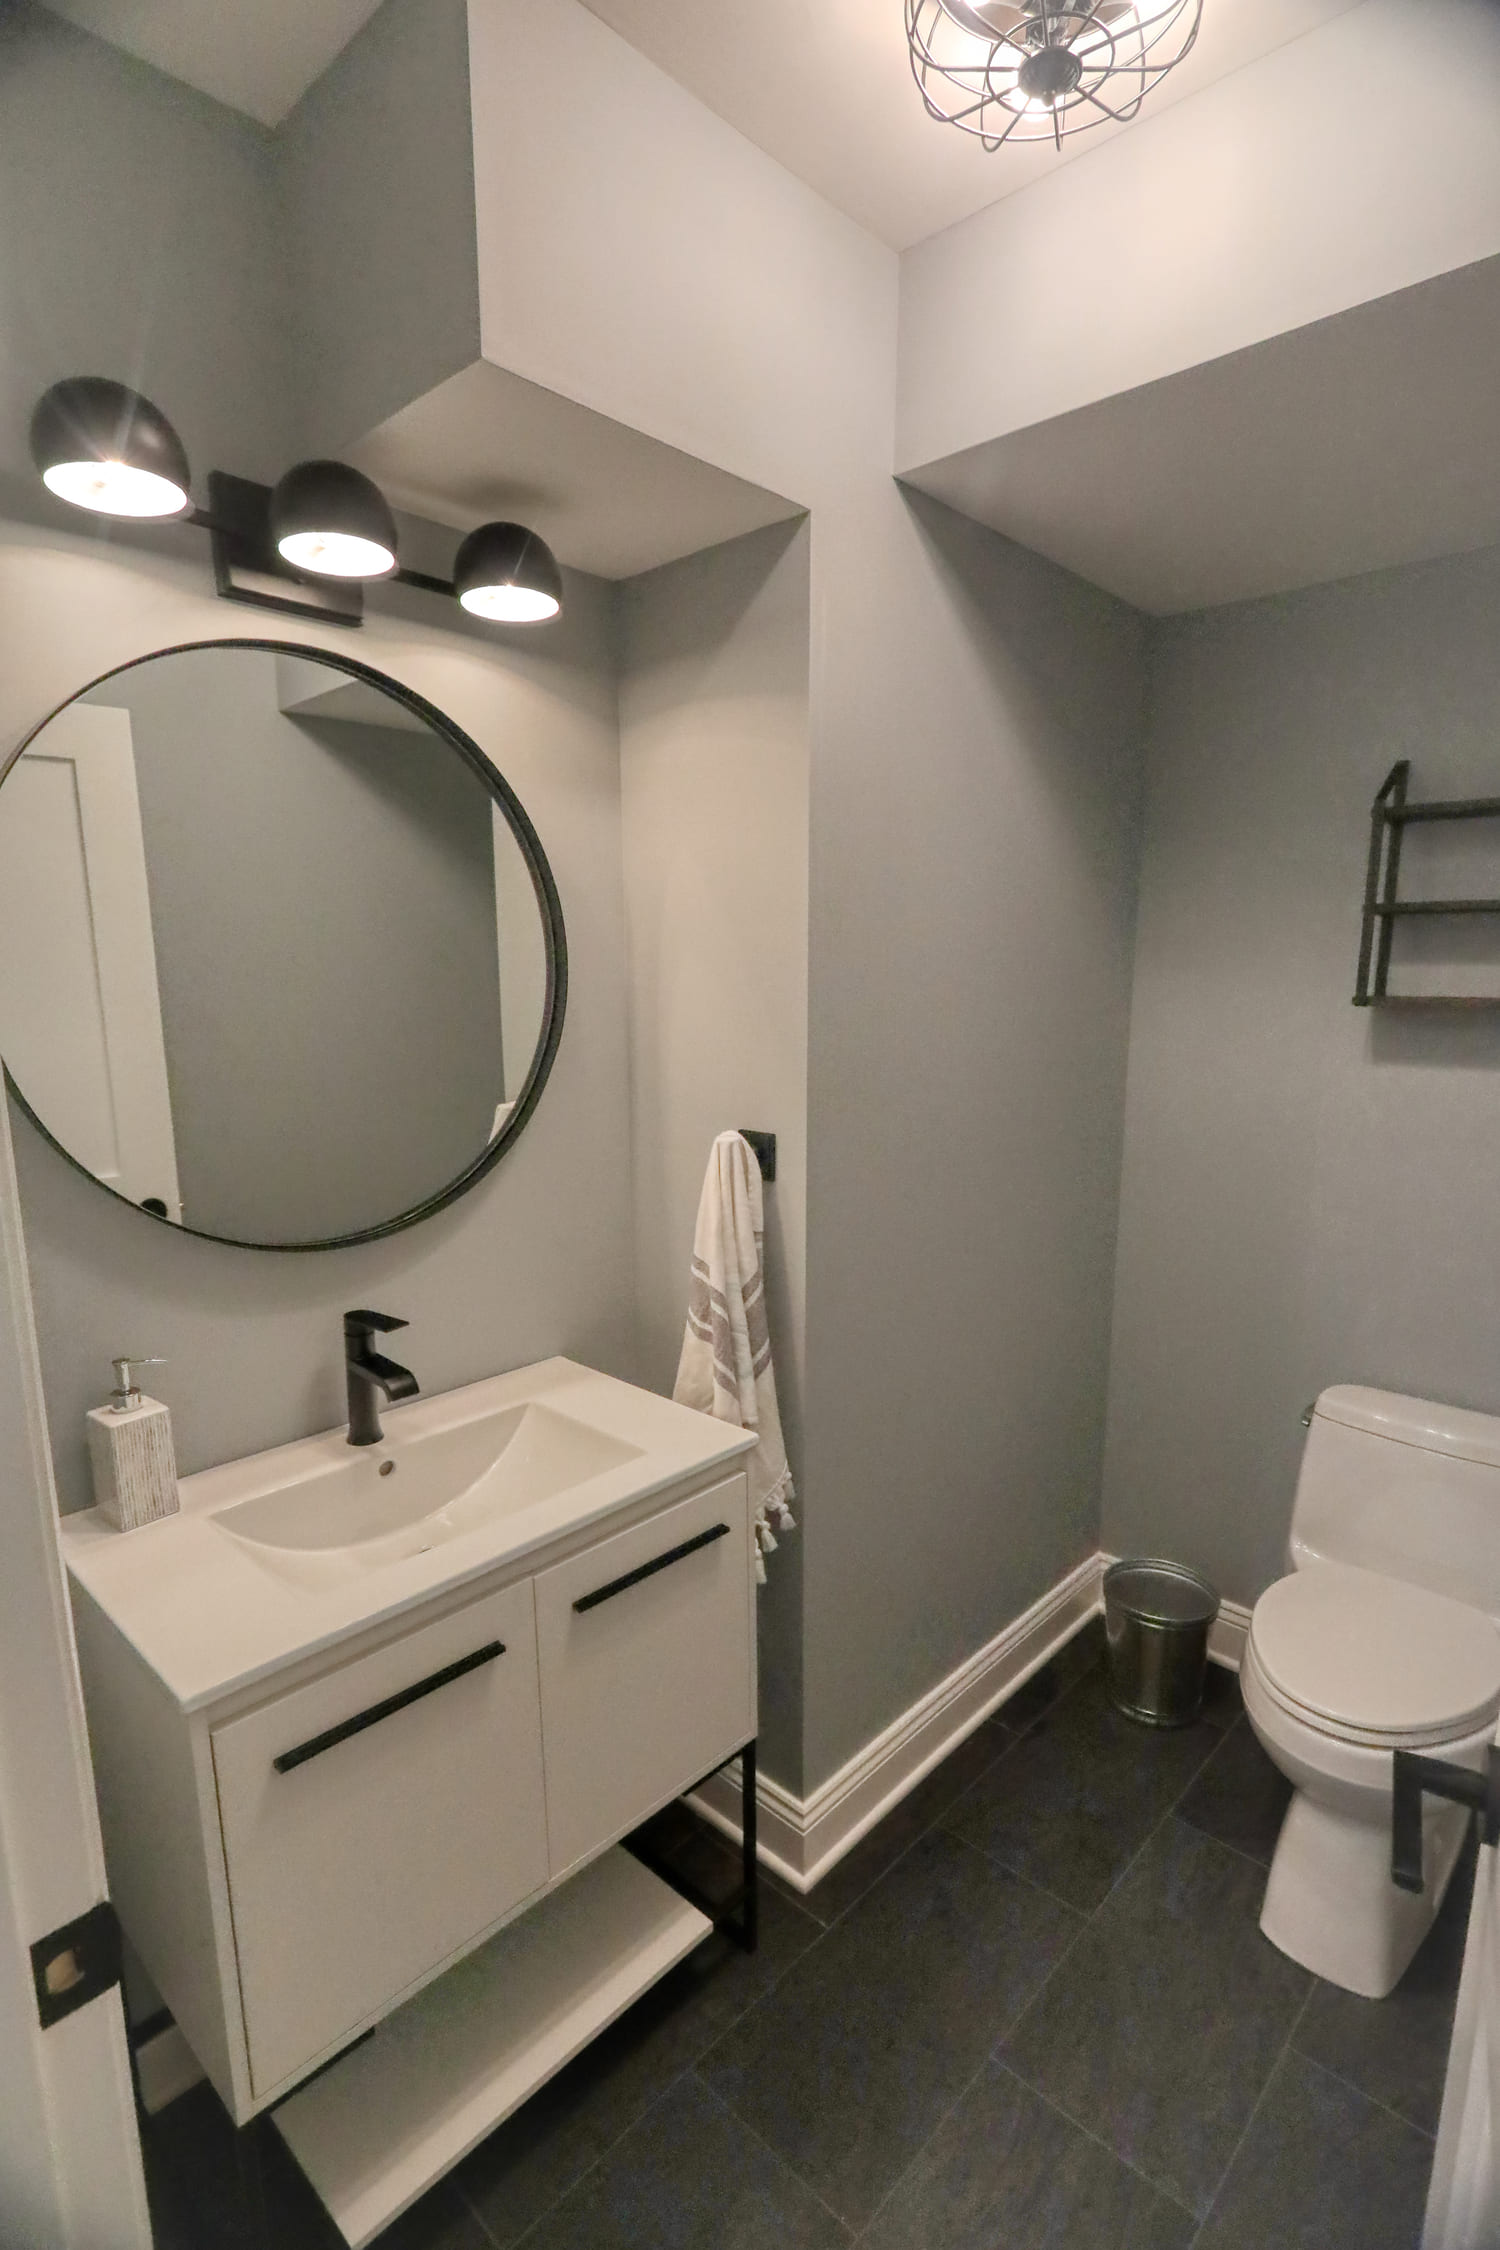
(649, 1569)
(378, 1711)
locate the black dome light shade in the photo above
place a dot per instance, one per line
(505, 572)
(102, 446)
(332, 522)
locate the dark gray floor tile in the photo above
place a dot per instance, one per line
(1239, 1796)
(849, 2065)
(1071, 1804)
(1160, 2030)
(535, 2156)
(1396, 2049)
(1079, 1656)
(901, 1827)
(1222, 1701)
(1006, 2171)
(1322, 2166)
(689, 2177)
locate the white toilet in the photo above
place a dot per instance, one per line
(1386, 1636)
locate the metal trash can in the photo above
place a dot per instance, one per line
(1156, 1620)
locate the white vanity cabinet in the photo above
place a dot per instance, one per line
(296, 1860)
(377, 1822)
(647, 1665)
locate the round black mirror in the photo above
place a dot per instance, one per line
(282, 961)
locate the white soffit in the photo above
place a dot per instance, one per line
(487, 444)
(827, 90)
(259, 56)
(1368, 439)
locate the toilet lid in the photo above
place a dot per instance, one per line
(1373, 1653)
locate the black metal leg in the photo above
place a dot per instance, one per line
(749, 1862)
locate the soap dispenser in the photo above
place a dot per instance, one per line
(130, 1443)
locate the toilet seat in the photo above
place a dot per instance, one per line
(1362, 1658)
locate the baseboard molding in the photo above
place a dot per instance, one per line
(801, 1839)
(165, 2066)
(1226, 1635)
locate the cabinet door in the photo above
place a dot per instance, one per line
(378, 1821)
(647, 1646)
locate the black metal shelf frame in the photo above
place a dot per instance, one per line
(1390, 817)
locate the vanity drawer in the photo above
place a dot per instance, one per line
(376, 1822)
(647, 1647)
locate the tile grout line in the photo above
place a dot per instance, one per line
(1089, 2134)
(1257, 2106)
(992, 2059)
(688, 2069)
(1349, 2085)
(774, 2153)
(589, 2169)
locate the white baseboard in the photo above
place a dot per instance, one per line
(165, 2067)
(800, 1839)
(1226, 1635)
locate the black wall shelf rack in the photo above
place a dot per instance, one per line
(1390, 816)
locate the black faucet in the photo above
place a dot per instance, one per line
(370, 1374)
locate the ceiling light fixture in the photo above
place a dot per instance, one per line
(505, 572)
(105, 447)
(307, 546)
(1031, 70)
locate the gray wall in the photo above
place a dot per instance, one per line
(323, 905)
(376, 172)
(1310, 1191)
(141, 239)
(974, 836)
(538, 1258)
(714, 786)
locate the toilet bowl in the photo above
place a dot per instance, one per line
(1343, 1666)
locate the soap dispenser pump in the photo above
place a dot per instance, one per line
(130, 1445)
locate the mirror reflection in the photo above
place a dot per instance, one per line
(274, 964)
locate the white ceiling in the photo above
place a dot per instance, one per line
(1368, 439)
(827, 90)
(259, 56)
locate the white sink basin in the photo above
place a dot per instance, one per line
(420, 1487)
(285, 1553)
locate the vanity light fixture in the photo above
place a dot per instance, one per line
(103, 446)
(306, 546)
(1032, 70)
(328, 519)
(504, 571)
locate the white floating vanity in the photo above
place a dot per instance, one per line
(367, 1728)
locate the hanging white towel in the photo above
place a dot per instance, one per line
(726, 1368)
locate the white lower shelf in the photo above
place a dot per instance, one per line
(375, 2130)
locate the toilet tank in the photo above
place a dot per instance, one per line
(1405, 1487)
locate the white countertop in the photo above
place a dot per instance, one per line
(209, 1617)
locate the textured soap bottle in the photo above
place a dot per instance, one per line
(130, 1444)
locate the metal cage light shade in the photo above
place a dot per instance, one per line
(102, 446)
(1032, 70)
(332, 522)
(505, 572)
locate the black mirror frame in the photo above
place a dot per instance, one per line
(547, 900)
